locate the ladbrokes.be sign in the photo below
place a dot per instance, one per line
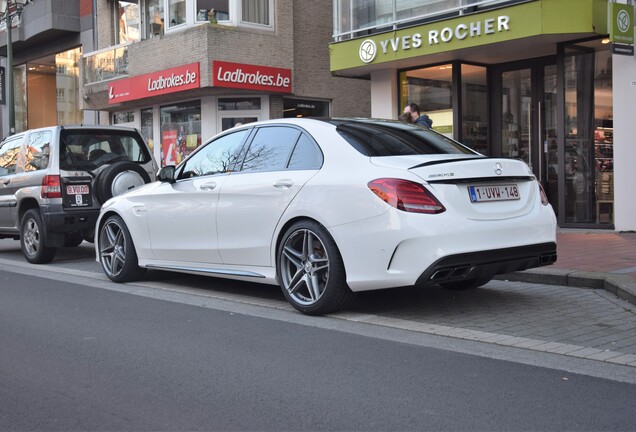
(154, 84)
(252, 77)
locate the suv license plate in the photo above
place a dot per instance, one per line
(493, 193)
(77, 195)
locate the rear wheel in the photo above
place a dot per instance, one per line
(310, 270)
(32, 239)
(117, 252)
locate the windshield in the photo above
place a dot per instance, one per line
(93, 148)
(391, 138)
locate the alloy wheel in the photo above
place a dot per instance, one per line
(304, 267)
(112, 248)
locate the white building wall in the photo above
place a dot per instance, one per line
(384, 97)
(624, 94)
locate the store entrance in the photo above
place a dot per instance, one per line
(525, 116)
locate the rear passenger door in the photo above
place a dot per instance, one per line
(9, 165)
(278, 162)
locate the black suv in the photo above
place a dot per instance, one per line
(54, 180)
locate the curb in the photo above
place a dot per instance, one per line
(622, 286)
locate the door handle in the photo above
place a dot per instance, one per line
(208, 186)
(283, 183)
(6, 182)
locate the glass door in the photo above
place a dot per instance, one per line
(526, 119)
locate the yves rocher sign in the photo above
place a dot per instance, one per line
(252, 77)
(154, 84)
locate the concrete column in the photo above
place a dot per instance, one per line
(384, 97)
(624, 98)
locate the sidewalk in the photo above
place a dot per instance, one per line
(590, 259)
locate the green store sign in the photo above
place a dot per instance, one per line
(525, 20)
(621, 23)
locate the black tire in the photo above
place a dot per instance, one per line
(466, 284)
(105, 186)
(32, 239)
(73, 239)
(117, 253)
(313, 282)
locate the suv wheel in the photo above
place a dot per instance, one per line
(32, 239)
(119, 178)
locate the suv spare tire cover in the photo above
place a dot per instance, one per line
(119, 178)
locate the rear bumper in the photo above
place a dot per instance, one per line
(487, 264)
(58, 219)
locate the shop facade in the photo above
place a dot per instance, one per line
(552, 82)
(48, 39)
(182, 71)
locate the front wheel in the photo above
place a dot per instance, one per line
(32, 239)
(117, 253)
(310, 270)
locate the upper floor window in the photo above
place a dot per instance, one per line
(128, 21)
(144, 19)
(353, 18)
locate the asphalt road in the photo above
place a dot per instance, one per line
(80, 353)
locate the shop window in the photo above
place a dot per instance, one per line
(180, 131)
(238, 111)
(147, 125)
(128, 21)
(431, 88)
(123, 117)
(293, 107)
(589, 138)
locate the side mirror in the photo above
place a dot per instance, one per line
(166, 174)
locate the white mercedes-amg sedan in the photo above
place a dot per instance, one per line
(329, 207)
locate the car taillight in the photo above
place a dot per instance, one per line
(406, 195)
(51, 187)
(544, 197)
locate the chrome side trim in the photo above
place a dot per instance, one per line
(207, 271)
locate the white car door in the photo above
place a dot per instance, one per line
(182, 216)
(278, 163)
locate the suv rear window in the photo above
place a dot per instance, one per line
(94, 148)
(387, 138)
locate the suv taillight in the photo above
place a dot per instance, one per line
(51, 187)
(406, 195)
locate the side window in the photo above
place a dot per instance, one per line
(216, 157)
(9, 155)
(270, 149)
(39, 146)
(306, 155)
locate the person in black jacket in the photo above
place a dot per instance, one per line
(418, 119)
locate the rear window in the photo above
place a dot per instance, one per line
(94, 148)
(378, 138)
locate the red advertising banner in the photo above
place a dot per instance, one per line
(252, 77)
(154, 84)
(169, 147)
